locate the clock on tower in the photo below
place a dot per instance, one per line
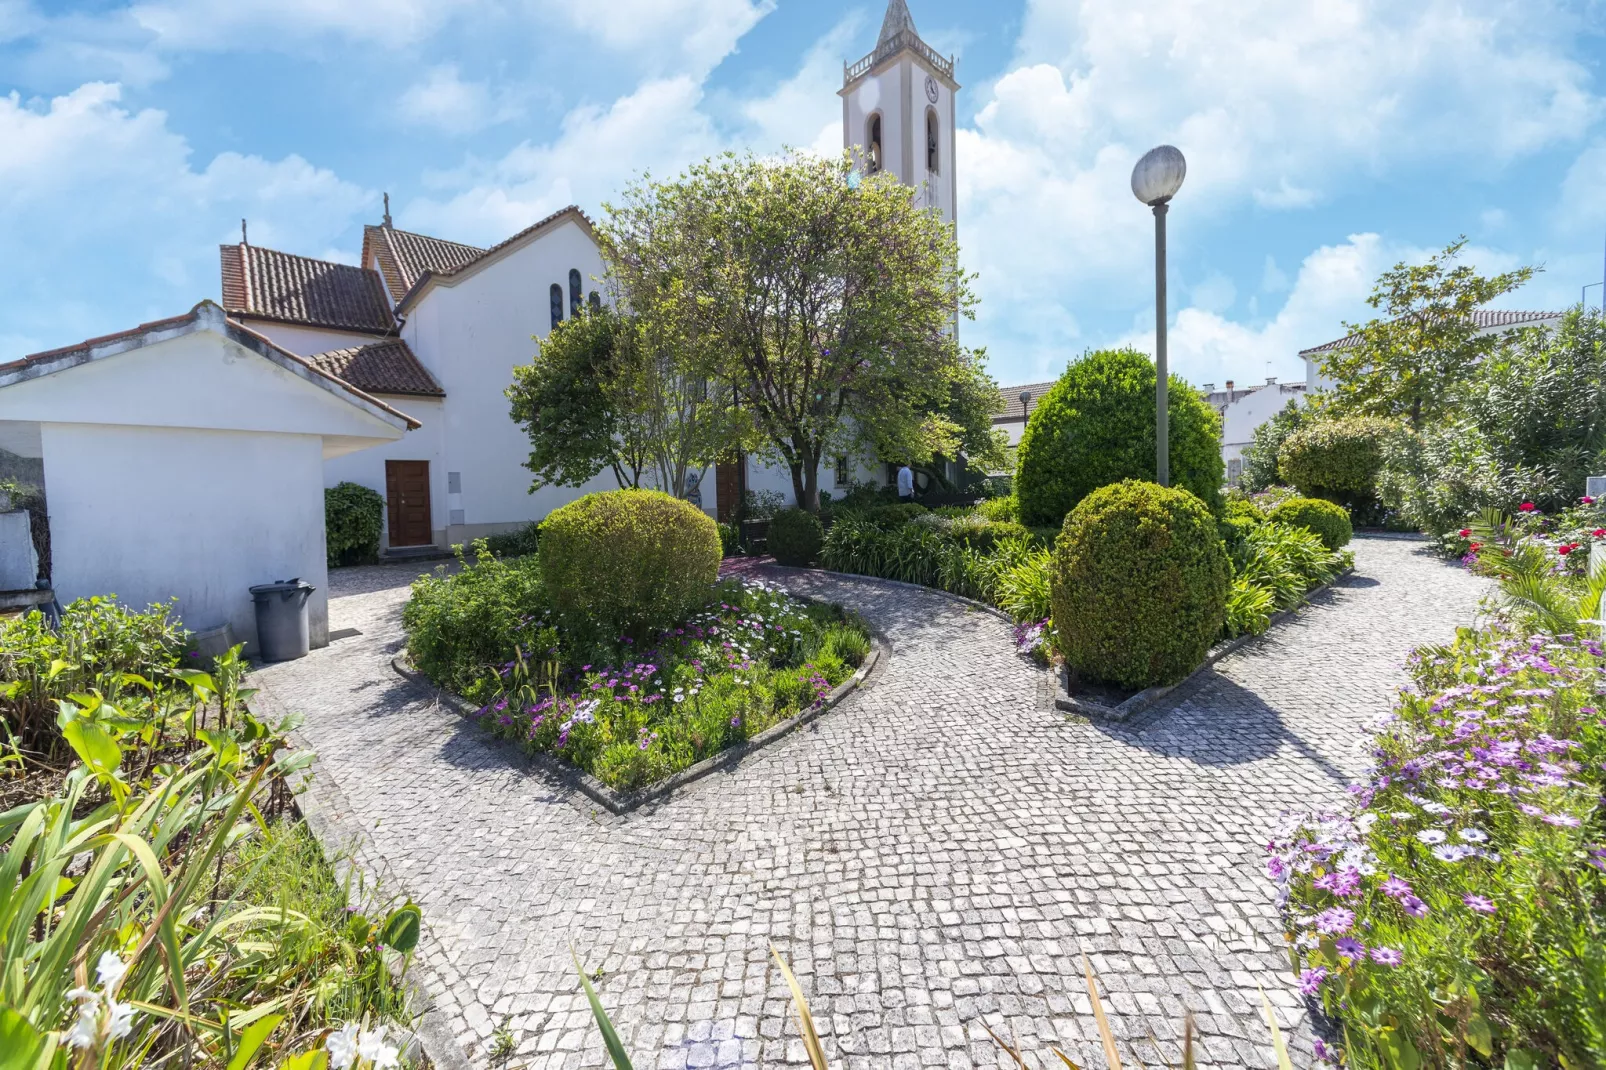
(898, 111)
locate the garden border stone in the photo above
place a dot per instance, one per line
(1064, 700)
(621, 803)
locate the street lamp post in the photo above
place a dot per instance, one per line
(1155, 180)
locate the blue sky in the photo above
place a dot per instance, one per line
(1325, 141)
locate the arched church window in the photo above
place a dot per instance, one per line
(576, 294)
(557, 304)
(595, 301)
(933, 156)
(872, 144)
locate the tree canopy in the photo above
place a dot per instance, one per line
(828, 302)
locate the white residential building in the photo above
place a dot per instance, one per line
(1489, 321)
(1242, 409)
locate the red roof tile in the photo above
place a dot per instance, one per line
(387, 367)
(417, 285)
(268, 284)
(403, 256)
(1009, 399)
(1486, 319)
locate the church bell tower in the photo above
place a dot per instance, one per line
(898, 112)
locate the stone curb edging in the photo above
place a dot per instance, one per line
(1146, 698)
(618, 803)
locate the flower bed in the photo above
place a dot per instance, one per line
(1456, 913)
(633, 713)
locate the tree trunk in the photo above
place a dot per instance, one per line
(806, 481)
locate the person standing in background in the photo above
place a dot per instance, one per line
(906, 484)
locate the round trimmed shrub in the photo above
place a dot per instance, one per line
(1096, 426)
(1327, 521)
(795, 537)
(353, 517)
(627, 562)
(1337, 459)
(1138, 584)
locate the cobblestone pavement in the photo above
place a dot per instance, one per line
(933, 855)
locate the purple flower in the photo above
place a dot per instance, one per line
(1398, 887)
(1350, 947)
(1563, 820)
(1310, 982)
(1335, 920)
(1478, 903)
(1387, 956)
(1414, 906)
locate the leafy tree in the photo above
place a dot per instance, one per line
(607, 390)
(1414, 362)
(1260, 456)
(827, 302)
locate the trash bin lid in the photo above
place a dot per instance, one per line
(282, 587)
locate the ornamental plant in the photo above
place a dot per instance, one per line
(795, 536)
(627, 562)
(1455, 913)
(1337, 459)
(1096, 426)
(1139, 585)
(353, 517)
(1328, 521)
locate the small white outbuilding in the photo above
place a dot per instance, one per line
(185, 458)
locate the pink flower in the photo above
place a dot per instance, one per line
(1310, 982)
(1526, 507)
(1387, 956)
(1335, 920)
(1478, 903)
(1464, 532)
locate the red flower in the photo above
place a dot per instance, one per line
(1464, 532)
(1474, 548)
(1526, 507)
(1564, 549)
(1599, 533)
(1587, 500)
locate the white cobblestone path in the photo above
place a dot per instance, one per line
(933, 855)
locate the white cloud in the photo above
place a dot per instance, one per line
(689, 36)
(804, 111)
(1583, 191)
(106, 201)
(445, 102)
(179, 24)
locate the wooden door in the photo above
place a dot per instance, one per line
(407, 502)
(728, 489)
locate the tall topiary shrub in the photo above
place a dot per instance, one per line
(626, 562)
(353, 517)
(1096, 426)
(1326, 521)
(1337, 459)
(795, 536)
(1138, 584)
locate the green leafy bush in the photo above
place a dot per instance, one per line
(353, 517)
(795, 537)
(1338, 459)
(983, 534)
(1096, 426)
(1005, 508)
(1249, 608)
(1139, 580)
(463, 627)
(895, 515)
(1454, 913)
(1288, 561)
(1330, 522)
(730, 540)
(515, 543)
(1264, 451)
(625, 562)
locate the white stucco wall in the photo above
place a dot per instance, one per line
(470, 335)
(898, 91)
(424, 443)
(307, 341)
(148, 513)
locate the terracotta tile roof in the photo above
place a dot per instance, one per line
(386, 367)
(1487, 319)
(1009, 400)
(205, 315)
(418, 285)
(268, 284)
(404, 257)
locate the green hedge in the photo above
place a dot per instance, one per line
(1327, 521)
(626, 562)
(1338, 459)
(1096, 427)
(795, 536)
(516, 543)
(353, 517)
(1139, 585)
(463, 627)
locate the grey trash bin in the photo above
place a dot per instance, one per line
(282, 632)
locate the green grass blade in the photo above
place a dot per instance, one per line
(610, 1039)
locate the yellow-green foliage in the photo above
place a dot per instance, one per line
(1334, 457)
(1328, 521)
(1096, 426)
(625, 562)
(1139, 584)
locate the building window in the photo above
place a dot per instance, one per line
(872, 144)
(557, 304)
(576, 294)
(933, 157)
(842, 472)
(1235, 470)
(595, 301)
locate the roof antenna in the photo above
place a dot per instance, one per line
(387, 209)
(243, 240)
